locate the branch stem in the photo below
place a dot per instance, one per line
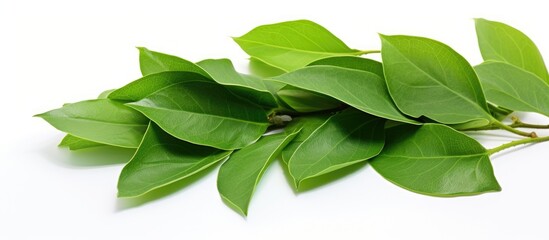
(517, 143)
(508, 128)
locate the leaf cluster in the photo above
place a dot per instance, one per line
(325, 108)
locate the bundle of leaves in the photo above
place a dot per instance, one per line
(325, 108)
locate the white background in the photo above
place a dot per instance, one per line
(54, 52)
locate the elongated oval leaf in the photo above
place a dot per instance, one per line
(154, 62)
(514, 88)
(344, 139)
(103, 121)
(292, 45)
(428, 78)
(162, 159)
(76, 143)
(365, 91)
(307, 126)
(151, 83)
(204, 113)
(357, 63)
(239, 175)
(220, 70)
(501, 42)
(249, 87)
(306, 101)
(435, 160)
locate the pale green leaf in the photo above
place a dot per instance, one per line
(511, 87)
(435, 160)
(76, 143)
(154, 62)
(292, 45)
(501, 42)
(162, 159)
(103, 121)
(239, 176)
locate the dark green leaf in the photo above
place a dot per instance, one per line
(162, 159)
(292, 45)
(344, 139)
(500, 42)
(514, 88)
(103, 121)
(239, 176)
(365, 91)
(435, 160)
(428, 78)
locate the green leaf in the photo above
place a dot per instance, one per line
(307, 126)
(500, 42)
(514, 88)
(239, 176)
(344, 139)
(162, 159)
(292, 45)
(155, 62)
(249, 87)
(105, 94)
(103, 121)
(306, 101)
(219, 70)
(357, 63)
(428, 78)
(76, 143)
(151, 83)
(365, 91)
(435, 160)
(204, 113)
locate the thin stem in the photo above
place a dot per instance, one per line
(362, 52)
(516, 143)
(508, 128)
(519, 124)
